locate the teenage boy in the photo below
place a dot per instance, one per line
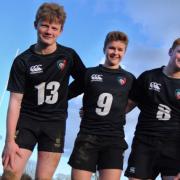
(156, 147)
(38, 86)
(100, 143)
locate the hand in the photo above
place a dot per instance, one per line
(81, 112)
(11, 150)
(177, 177)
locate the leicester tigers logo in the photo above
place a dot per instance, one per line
(122, 80)
(61, 64)
(177, 94)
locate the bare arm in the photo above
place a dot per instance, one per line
(13, 115)
(11, 148)
(130, 106)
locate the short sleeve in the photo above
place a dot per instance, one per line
(137, 90)
(17, 76)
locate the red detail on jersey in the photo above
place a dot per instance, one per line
(122, 81)
(62, 64)
(177, 94)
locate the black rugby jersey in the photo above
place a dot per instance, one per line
(43, 79)
(158, 98)
(104, 101)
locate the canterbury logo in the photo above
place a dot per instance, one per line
(132, 170)
(155, 86)
(96, 77)
(36, 69)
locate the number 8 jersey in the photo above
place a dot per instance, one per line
(104, 101)
(43, 81)
(158, 98)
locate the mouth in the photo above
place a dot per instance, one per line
(46, 37)
(115, 58)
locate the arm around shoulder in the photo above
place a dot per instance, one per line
(130, 105)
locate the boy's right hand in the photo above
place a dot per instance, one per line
(11, 150)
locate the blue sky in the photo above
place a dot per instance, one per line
(151, 25)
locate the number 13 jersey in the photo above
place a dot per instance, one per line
(43, 81)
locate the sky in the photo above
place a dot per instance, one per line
(151, 25)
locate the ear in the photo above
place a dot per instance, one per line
(104, 50)
(170, 52)
(35, 24)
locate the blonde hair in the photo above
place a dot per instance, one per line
(51, 12)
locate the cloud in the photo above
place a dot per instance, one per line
(104, 6)
(158, 19)
(141, 58)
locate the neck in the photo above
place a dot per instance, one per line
(170, 72)
(111, 67)
(45, 49)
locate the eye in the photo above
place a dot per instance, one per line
(54, 28)
(120, 49)
(111, 47)
(44, 25)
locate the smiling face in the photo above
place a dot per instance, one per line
(114, 52)
(49, 22)
(47, 32)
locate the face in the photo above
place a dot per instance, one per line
(114, 53)
(175, 57)
(47, 32)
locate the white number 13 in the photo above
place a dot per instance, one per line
(49, 99)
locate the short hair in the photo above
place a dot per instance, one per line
(115, 36)
(51, 12)
(175, 43)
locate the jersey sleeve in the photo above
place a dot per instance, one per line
(136, 92)
(132, 86)
(75, 88)
(78, 71)
(16, 81)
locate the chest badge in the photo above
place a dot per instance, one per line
(177, 94)
(61, 64)
(122, 80)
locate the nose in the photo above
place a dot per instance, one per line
(48, 31)
(115, 51)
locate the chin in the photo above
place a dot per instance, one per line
(177, 68)
(47, 43)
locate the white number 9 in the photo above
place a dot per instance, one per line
(104, 104)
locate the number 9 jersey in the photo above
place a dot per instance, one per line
(105, 98)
